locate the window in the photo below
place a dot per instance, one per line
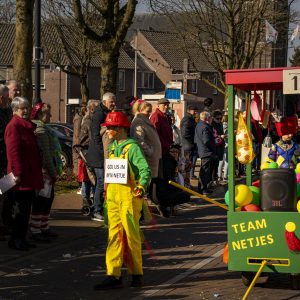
(146, 80)
(121, 80)
(42, 77)
(194, 86)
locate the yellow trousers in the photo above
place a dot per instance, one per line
(124, 240)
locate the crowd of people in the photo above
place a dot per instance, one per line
(156, 149)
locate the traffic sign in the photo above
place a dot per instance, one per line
(291, 81)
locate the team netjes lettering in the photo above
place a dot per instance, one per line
(258, 241)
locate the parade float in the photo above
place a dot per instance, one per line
(265, 236)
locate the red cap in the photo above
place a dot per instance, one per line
(288, 126)
(35, 111)
(117, 119)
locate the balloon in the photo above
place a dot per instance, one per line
(273, 165)
(298, 177)
(265, 165)
(297, 168)
(256, 194)
(298, 189)
(298, 206)
(251, 207)
(243, 195)
(226, 198)
(256, 183)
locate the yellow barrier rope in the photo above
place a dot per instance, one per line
(198, 195)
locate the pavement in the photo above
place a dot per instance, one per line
(185, 260)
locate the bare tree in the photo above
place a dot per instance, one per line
(7, 11)
(114, 18)
(229, 33)
(23, 46)
(65, 43)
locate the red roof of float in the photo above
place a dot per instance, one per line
(256, 79)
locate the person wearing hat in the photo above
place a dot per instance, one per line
(162, 122)
(187, 128)
(50, 152)
(123, 205)
(285, 152)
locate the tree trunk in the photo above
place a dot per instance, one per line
(84, 90)
(109, 69)
(23, 47)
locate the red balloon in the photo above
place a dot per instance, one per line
(256, 183)
(251, 207)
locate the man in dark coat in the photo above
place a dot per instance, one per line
(187, 129)
(204, 138)
(95, 154)
(5, 116)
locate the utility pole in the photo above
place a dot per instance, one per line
(37, 51)
(135, 63)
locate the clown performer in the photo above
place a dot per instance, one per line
(285, 152)
(124, 205)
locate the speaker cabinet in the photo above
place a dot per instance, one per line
(278, 190)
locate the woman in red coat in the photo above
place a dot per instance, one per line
(25, 163)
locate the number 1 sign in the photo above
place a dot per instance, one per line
(291, 81)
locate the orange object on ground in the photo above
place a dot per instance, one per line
(225, 254)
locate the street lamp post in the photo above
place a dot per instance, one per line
(37, 51)
(287, 34)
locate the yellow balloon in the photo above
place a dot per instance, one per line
(298, 206)
(265, 165)
(298, 168)
(243, 195)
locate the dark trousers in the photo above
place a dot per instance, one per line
(42, 205)
(7, 209)
(206, 170)
(22, 201)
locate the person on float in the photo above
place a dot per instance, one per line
(124, 205)
(285, 152)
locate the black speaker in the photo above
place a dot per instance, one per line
(278, 189)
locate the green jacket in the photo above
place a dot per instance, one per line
(136, 159)
(47, 144)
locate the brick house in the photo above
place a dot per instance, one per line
(62, 90)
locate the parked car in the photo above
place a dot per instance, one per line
(65, 144)
(64, 128)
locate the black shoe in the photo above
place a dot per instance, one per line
(17, 245)
(137, 281)
(163, 211)
(49, 233)
(110, 282)
(38, 237)
(28, 244)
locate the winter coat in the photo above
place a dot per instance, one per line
(220, 143)
(162, 124)
(204, 139)
(95, 153)
(146, 135)
(187, 128)
(5, 116)
(47, 144)
(23, 155)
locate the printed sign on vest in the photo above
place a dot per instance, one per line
(116, 170)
